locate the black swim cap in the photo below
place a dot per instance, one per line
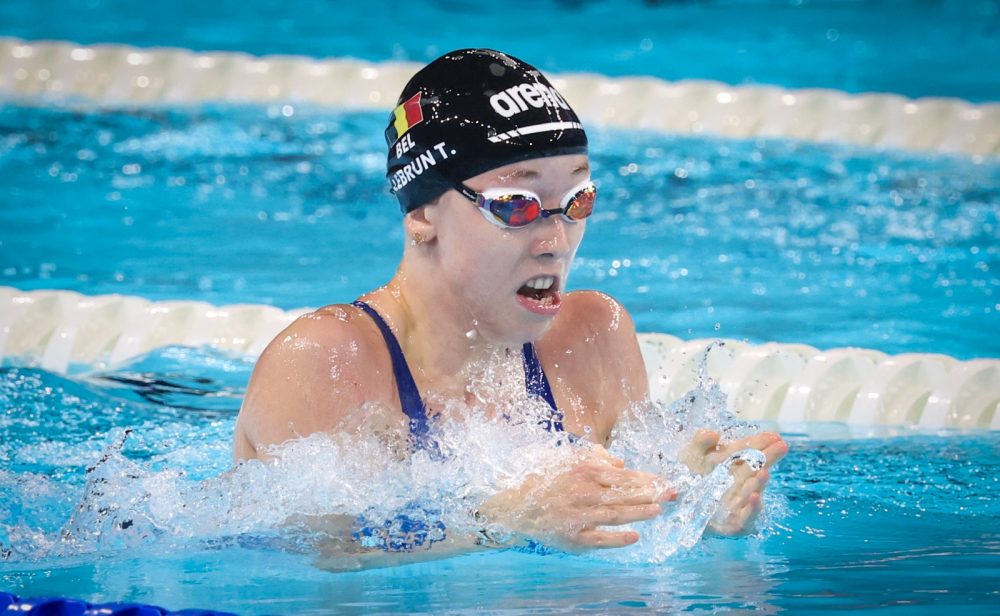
(470, 111)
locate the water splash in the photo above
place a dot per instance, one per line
(317, 491)
(653, 437)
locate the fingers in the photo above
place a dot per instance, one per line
(700, 454)
(762, 441)
(620, 478)
(597, 538)
(618, 515)
(705, 440)
(741, 504)
(643, 495)
(591, 537)
(768, 443)
(628, 487)
(741, 490)
(739, 521)
(775, 451)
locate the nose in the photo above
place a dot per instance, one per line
(551, 238)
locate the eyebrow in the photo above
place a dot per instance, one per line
(521, 172)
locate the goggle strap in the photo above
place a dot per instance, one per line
(467, 192)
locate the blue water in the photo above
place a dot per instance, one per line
(763, 240)
(908, 521)
(920, 48)
(758, 240)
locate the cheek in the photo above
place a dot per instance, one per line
(477, 259)
(575, 237)
(489, 264)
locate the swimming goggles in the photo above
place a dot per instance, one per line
(517, 207)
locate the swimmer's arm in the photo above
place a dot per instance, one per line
(581, 506)
(336, 555)
(626, 395)
(304, 382)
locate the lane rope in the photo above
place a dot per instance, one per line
(792, 384)
(65, 73)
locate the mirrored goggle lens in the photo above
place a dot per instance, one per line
(581, 204)
(513, 210)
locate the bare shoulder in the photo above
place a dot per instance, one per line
(593, 351)
(595, 318)
(318, 368)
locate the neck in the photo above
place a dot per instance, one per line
(438, 332)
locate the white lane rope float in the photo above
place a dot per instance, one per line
(60, 72)
(787, 383)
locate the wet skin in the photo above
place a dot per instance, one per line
(452, 303)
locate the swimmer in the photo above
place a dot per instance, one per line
(489, 164)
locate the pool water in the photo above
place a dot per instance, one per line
(286, 205)
(903, 519)
(927, 48)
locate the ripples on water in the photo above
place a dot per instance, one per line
(162, 478)
(700, 237)
(165, 501)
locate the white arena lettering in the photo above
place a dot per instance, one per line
(516, 99)
(503, 104)
(531, 95)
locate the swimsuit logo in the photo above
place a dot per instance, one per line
(403, 118)
(516, 99)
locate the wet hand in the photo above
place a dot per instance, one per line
(570, 509)
(743, 501)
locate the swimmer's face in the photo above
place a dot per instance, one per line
(512, 280)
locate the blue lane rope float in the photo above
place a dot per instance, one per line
(59, 606)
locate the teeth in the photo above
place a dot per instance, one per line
(542, 282)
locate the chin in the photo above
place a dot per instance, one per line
(534, 330)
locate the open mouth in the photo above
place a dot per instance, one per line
(540, 294)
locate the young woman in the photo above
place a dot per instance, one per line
(490, 167)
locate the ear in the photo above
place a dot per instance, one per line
(420, 223)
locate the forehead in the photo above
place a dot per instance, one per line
(538, 169)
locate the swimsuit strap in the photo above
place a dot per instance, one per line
(413, 405)
(538, 385)
(409, 395)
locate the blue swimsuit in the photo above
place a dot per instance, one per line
(413, 405)
(418, 526)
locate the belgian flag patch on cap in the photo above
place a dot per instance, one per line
(403, 118)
